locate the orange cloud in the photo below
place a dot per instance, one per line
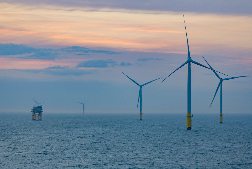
(146, 30)
(125, 29)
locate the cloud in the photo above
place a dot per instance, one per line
(14, 49)
(45, 54)
(98, 63)
(206, 6)
(125, 64)
(56, 67)
(84, 51)
(69, 72)
(58, 71)
(147, 59)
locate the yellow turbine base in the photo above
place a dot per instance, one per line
(140, 115)
(220, 117)
(189, 121)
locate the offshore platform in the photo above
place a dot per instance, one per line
(37, 111)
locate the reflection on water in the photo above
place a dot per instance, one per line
(122, 141)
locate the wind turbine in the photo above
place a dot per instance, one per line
(220, 86)
(83, 105)
(140, 92)
(189, 61)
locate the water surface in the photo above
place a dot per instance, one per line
(122, 141)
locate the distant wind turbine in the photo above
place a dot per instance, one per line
(140, 92)
(189, 61)
(83, 105)
(220, 86)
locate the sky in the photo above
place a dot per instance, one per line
(64, 52)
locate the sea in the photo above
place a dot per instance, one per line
(123, 141)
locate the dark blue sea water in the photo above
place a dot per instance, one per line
(122, 141)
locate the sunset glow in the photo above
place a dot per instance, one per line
(93, 42)
(127, 29)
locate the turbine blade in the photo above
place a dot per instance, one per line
(211, 68)
(151, 81)
(216, 92)
(164, 79)
(221, 73)
(233, 77)
(131, 79)
(176, 70)
(86, 101)
(197, 63)
(214, 70)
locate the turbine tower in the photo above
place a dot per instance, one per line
(83, 105)
(189, 61)
(219, 86)
(140, 92)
